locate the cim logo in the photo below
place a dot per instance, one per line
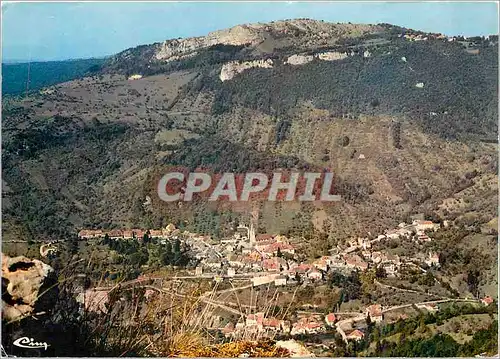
(29, 343)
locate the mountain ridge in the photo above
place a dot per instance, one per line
(86, 153)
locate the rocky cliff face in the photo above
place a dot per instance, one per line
(303, 33)
(238, 35)
(231, 69)
(22, 282)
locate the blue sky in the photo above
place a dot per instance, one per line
(54, 31)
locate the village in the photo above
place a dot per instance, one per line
(267, 258)
(272, 260)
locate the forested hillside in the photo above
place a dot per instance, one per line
(21, 77)
(404, 124)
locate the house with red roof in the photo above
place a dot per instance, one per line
(262, 240)
(330, 319)
(433, 259)
(272, 323)
(156, 233)
(271, 264)
(302, 268)
(256, 319)
(138, 233)
(355, 335)
(421, 225)
(306, 326)
(321, 264)
(272, 249)
(355, 261)
(263, 237)
(375, 312)
(487, 300)
(115, 234)
(228, 330)
(85, 234)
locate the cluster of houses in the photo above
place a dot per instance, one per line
(306, 324)
(163, 233)
(259, 323)
(424, 37)
(272, 258)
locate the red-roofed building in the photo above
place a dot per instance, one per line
(254, 319)
(355, 335)
(271, 264)
(127, 234)
(321, 264)
(302, 268)
(306, 326)
(264, 237)
(330, 319)
(228, 330)
(272, 249)
(487, 300)
(115, 234)
(272, 323)
(355, 261)
(375, 312)
(156, 233)
(84, 233)
(424, 225)
(298, 328)
(433, 259)
(138, 233)
(423, 238)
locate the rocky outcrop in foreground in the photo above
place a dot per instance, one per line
(22, 282)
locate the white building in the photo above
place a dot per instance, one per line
(135, 77)
(280, 281)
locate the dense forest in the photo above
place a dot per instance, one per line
(458, 95)
(22, 77)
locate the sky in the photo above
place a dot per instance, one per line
(64, 30)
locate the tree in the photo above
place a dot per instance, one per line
(167, 255)
(177, 246)
(298, 279)
(368, 321)
(374, 103)
(380, 272)
(73, 246)
(177, 253)
(473, 279)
